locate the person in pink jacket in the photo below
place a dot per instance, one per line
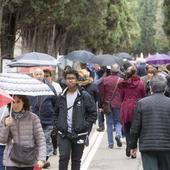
(131, 89)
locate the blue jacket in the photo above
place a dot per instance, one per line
(44, 106)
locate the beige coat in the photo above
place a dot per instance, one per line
(31, 134)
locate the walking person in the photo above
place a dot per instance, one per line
(75, 113)
(23, 129)
(99, 73)
(110, 95)
(151, 71)
(43, 106)
(131, 90)
(57, 91)
(151, 125)
(3, 112)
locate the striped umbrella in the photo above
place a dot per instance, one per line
(22, 84)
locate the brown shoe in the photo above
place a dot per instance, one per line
(46, 165)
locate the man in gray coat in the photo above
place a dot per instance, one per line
(151, 125)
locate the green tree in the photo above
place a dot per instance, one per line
(166, 25)
(65, 25)
(147, 18)
(9, 10)
(122, 28)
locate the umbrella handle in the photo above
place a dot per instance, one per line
(10, 112)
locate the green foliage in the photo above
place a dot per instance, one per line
(147, 18)
(99, 25)
(121, 27)
(166, 24)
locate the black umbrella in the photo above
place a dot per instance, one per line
(106, 60)
(34, 59)
(168, 53)
(82, 56)
(124, 55)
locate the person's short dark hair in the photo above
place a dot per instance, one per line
(126, 65)
(71, 71)
(25, 100)
(47, 72)
(158, 84)
(67, 67)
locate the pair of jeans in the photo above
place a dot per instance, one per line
(156, 160)
(113, 119)
(2, 147)
(69, 147)
(100, 117)
(47, 132)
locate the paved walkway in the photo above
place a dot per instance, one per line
(97, 156)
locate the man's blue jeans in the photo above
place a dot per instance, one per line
(2, 147)
(113, 118)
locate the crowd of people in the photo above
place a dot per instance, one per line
(133, 99)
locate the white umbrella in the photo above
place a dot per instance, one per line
(22, 84)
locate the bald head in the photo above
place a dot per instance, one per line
(38, 74)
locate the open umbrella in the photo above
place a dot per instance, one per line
(106, 60)
(34, 59)
(124, 55)
(22, 84)
(4, 98)
(158, 59)
(28, 70)
(82, 56)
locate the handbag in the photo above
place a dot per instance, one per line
(107, 104)
(107, 107)
(22, 154)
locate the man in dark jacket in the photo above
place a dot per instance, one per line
(151, 125)
(74, 116)
(44, 107)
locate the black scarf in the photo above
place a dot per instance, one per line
(18, 115)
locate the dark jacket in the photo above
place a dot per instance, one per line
(44, 106)
(84, 113)
(151, 124)
(92, 89)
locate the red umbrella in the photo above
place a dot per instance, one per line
(4, 98)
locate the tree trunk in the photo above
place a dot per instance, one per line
(1, 10)
(8, 31)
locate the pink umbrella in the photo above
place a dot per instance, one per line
(4, 98)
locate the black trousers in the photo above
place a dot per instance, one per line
(54, 137)
(16, 168)
(127, 127)
(67, 148)
(156, 160)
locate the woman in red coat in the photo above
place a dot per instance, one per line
(132, 89)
